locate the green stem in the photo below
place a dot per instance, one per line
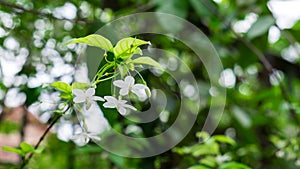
(141, 77)
(100, 74)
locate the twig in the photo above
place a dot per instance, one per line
(22, 131)
(18, 8)
(25, 162)
(24, 122)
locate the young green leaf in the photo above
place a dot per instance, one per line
(209, 161)
(199, 167)
(202, 135)
(67, 96)
(138, 51)
(80, 85)
(26, 148)
(206, 149)
(94, 40)
(147, 61)
(39, 150)
(62, 86)
(13, 150)
(224, 139)
(233, 165)
(128, 46)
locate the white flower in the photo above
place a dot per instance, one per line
(119, 104)
(83, 138)
(86, 97)
(128, 85)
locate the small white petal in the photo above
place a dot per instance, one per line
(90, 92)
(122, 110)
(109, 105)
(97, 98)
(110, 99)
(77, 136)
(77, 92)
(139, 86)
(124, 91)
(81, 139)
(122, 102)
(130, 107)
(129, 80)
(119, 83)
(79, 99)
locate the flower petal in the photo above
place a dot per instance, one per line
(119, 83)
(81, 139)
(129, 80)
(77, 92)
(79, 99)
(124, 91)
(97, 98)
(111, 99)
(109, 105)
(130, 107)
(122, 102)
(90, 92)
(122, 110)
(139, 86)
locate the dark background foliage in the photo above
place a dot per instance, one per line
(262, 108)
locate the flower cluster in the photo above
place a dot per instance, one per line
(126, 87)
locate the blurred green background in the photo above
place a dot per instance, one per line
(260, 123)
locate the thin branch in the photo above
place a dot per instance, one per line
(25, 162)
(22, 130)
(24, 122)
(19, 8)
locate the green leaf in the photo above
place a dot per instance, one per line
(66, 96)
(260, 27)
(138, 51)
(206, 149)
(80, 85)
(94, 40)
(26, 148)
(39, 150)
(202, 135)
(127, 46)
(209, 161)
(233, 165)
(62, 86)
(199, 167)
(147, 61)
(13, 150)
(224, 139)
